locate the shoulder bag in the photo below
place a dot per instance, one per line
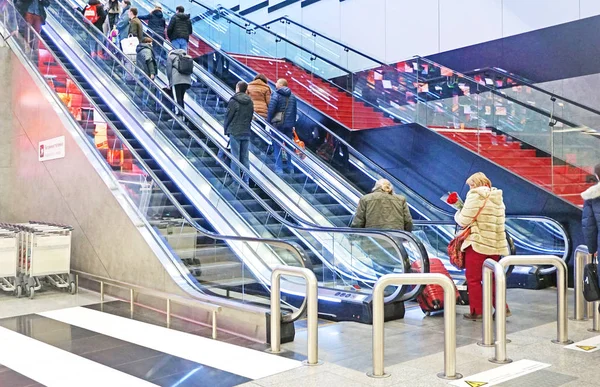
(457, 256)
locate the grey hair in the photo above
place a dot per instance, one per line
(384, 185)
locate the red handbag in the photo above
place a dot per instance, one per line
(457, 256)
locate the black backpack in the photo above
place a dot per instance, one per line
(591, 289)
(184, 64)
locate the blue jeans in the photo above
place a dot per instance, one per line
(277, 150)
(239, 150)
(180, 43)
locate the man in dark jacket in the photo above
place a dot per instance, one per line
(237, 126)
(282, 114)
(157, 24)
(156, 21)
(591, 215)
(33, 11)
(146, 61)
(180, 29)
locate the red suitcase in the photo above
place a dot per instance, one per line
(432, 297)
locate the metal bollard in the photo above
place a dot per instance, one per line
(596, 318)
(500, 277)
(449, 319)
(490, 265)
(583, 309)
(311, 312)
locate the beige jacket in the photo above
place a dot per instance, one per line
(488, 234)
(260, 93)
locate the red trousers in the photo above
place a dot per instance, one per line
(35, 21)
(473, 272)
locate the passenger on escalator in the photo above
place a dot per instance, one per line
(157, 24)
(591, 215)
(180, 29)
(260, 92)
(123, 22)
(237, 126)
(484, 212)
(33, 11)
(383, 209)
(178, 80)
(114, 10)
(136, 28)
(94, 12)
(282, 114)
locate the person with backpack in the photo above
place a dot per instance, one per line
(282, 115)
(146, 61)
(136, 29)
(94, 13)
(591, 215)
(180, 29)
(240, 110)
(180, 67)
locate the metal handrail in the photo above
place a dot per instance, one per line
(169, 297)
(449, 319)
(533, 86)
(312, 311)
(296, 250)
(344, 46)
(498, 269)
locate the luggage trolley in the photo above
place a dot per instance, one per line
(46, 253)
(10, 281)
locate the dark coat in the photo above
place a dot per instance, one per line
(591, 218)
(383, 210)
(99, 10)
(136, 28)
(239, 116)
(145, 58)
(156, 22)
(180, 27)
(23, 5)
(279, 100)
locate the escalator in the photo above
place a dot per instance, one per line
(342, 262)
(359, 174)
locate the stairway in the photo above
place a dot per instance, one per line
(568, 182)
(325, 97)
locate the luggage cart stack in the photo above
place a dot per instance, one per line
(10, 281)
(45, 253)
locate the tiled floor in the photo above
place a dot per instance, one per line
(413, 353)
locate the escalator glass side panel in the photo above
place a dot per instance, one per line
(347, 263)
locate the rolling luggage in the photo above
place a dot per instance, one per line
(432, 297)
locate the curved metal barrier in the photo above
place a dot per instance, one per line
(584, 310)
(311, 310)
(498, 268)
(449, 319)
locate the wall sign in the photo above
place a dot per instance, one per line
(51, 149)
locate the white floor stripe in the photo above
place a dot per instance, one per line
(501, 374)
(51, 366)
(588, 345)
(227, 357)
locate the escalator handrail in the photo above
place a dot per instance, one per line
(529, 83)
(345, 231)
(296, 250)
(344, 46)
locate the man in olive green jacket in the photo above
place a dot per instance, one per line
(382, 209)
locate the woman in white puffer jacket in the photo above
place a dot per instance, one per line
(487, 238)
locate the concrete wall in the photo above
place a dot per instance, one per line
(105, 240)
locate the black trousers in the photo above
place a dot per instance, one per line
(180, 93)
